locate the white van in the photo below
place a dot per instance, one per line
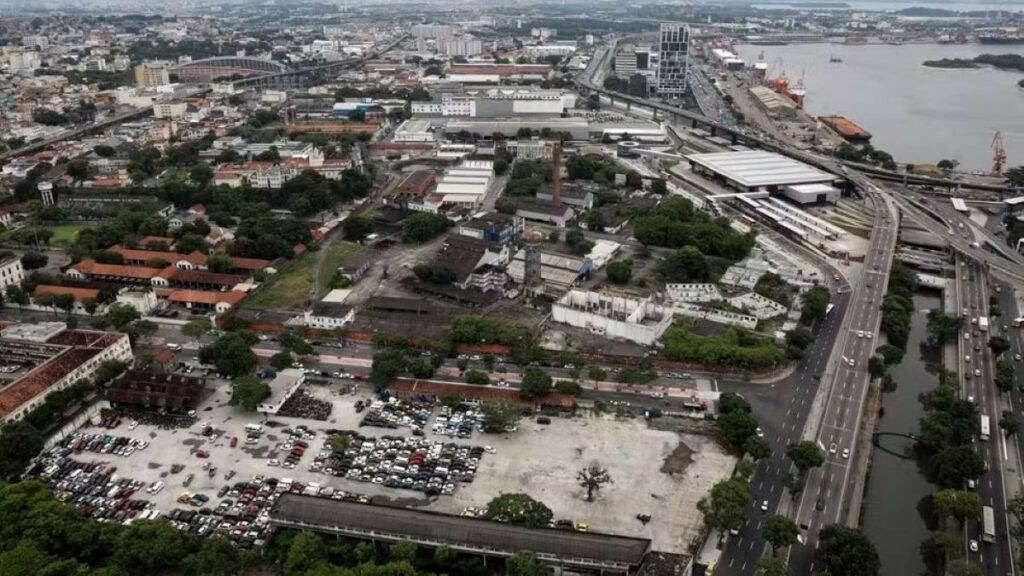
(254, 428)
(175, 347)
(155, 487)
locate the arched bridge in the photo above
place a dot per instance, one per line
(209, 68)
(877, 435)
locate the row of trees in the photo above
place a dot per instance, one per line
(735, 348)
(898, 304)
(43, 536)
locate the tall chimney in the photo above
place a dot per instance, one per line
(556, 173)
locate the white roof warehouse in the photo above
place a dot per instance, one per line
(756, 170)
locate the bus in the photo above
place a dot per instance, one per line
(984, 427)
(829, 308)
(988, 524)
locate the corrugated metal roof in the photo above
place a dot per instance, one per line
(456, 530)
(758, 168)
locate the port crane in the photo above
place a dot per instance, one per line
(998, 154)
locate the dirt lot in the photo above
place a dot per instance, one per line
(540, 460)
(543, 460)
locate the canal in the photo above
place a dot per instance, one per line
(893, 511)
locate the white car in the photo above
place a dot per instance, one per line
(974, 545)
(764, 506)
(869, 334)
(852, 362)
(977, 372)
(846, 452)
(860, 333)
(759, 432)
(832, 448)
(273, 462)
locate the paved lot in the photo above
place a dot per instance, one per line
(541, 460)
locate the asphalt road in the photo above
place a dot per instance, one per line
(782, 409)
(995, 559)
(823, 498)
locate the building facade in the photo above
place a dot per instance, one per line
(11, 272)
(673, 44)
(151, 74)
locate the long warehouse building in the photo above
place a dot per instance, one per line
(760, 171)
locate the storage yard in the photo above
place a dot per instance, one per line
(222, 471)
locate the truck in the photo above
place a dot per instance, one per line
(983, 323)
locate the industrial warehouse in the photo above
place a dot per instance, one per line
(756, 171)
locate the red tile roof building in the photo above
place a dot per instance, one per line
(57, 361)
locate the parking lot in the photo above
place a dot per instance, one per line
(540, 460)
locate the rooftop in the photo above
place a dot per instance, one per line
(758, 168)
(585, 548)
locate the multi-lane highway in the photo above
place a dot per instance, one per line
(976, 371)
(782, 410)
(823, 499)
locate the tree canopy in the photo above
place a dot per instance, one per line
(519, 509)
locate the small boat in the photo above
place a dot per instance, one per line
(835, 59)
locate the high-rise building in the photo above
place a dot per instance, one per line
(22, 59)
(150, 74)
(462, 46)
(673, 47)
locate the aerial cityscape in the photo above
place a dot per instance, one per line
(311, 288)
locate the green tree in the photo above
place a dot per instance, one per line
(942, 327)
(149, 547)
(421, 368)
(104, 151)
(387, 365)
(476, 377)
(938, 548)
(952, 467)
(960, 504)
(19, 443)
(847, 552)
(282, 360)
(876, 366)
(77, 169)
(890, 354)
(34, 260)
(725, 508)
(307, 551)
(960, 567)
(231, 353)
(536, 384)
(779, 531)
(815, 302)
(592, 478)
(356, 228)
(499, 416)
(1004, 375)
(735, 428)
(16, 295)
(757, 448)
(423, 226)
(1009, 423)
(524, 564)
(216, 557)
(518, 509)
(247, 392)
(220, 263)
(619, 272)
(771, 566)
(998, 344)
(805, 455)
(195, 329)
(597, 373)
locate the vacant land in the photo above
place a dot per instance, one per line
(289, 288)
(336, 255)
(654, 472)
(64, 236)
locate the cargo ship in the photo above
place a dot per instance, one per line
(846, 128)
(1002, 38)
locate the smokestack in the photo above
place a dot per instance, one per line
(556, 173)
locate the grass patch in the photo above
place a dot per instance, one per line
(289, 288)
(337, 254)
(65, 235)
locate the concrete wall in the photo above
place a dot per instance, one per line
(594, 312)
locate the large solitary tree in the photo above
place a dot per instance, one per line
(780, 531)
(592, 478)
(847, 551)
(805, 455)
